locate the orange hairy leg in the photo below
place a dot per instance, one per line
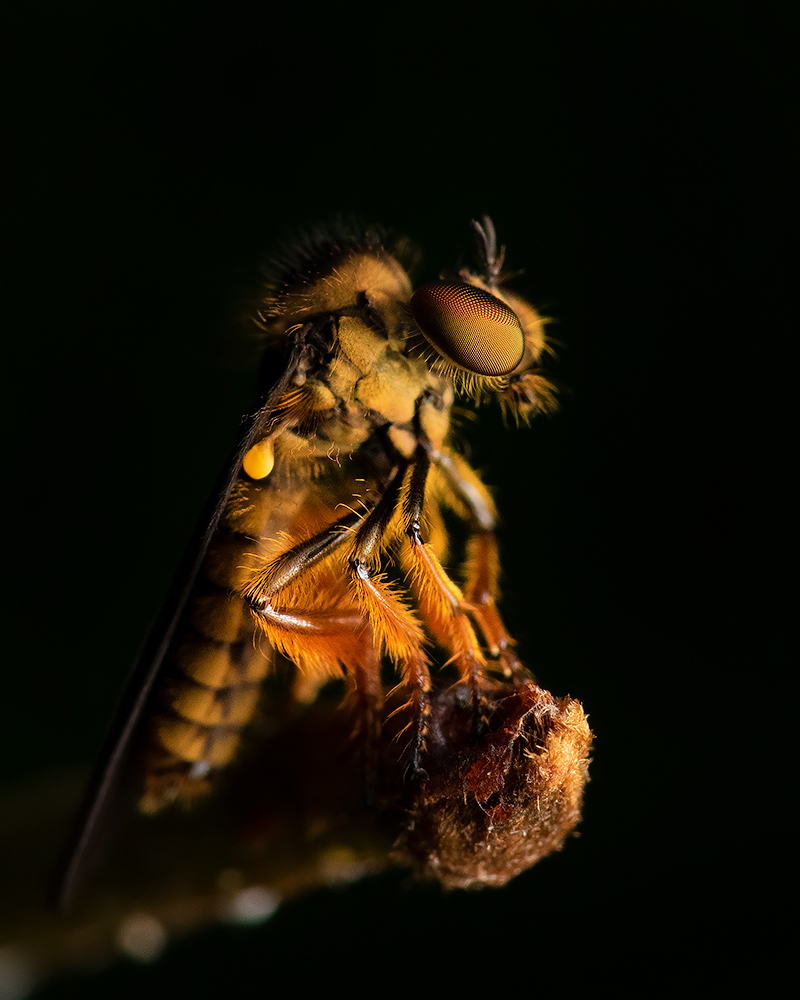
(323, 640)
(319, 640)
(443, 606)
(395, 627)
(482, 565)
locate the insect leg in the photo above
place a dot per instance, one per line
(482, 564)
(283, 570)
(399, 632)
(318, 638)
(444, 607)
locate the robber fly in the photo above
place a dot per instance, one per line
(344, 472)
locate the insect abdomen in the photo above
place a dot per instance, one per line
(212, 696)
(216, 671)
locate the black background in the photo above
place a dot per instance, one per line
(629, 155)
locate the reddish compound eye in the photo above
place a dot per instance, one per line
(469, 327)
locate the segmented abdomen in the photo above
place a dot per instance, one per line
(217, 662)
(214, 672)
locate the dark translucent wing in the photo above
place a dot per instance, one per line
(114, 754)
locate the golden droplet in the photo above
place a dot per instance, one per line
(260, 459)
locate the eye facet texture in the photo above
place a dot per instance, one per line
(469, 327)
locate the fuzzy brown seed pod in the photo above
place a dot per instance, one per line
(492, 807)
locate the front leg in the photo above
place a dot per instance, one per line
(482, 567)
(444, 607)
(393, 623)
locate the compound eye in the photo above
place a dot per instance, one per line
(469, 327)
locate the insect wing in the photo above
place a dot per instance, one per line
(115, 753)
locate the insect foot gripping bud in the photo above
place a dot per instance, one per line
(492, 807)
